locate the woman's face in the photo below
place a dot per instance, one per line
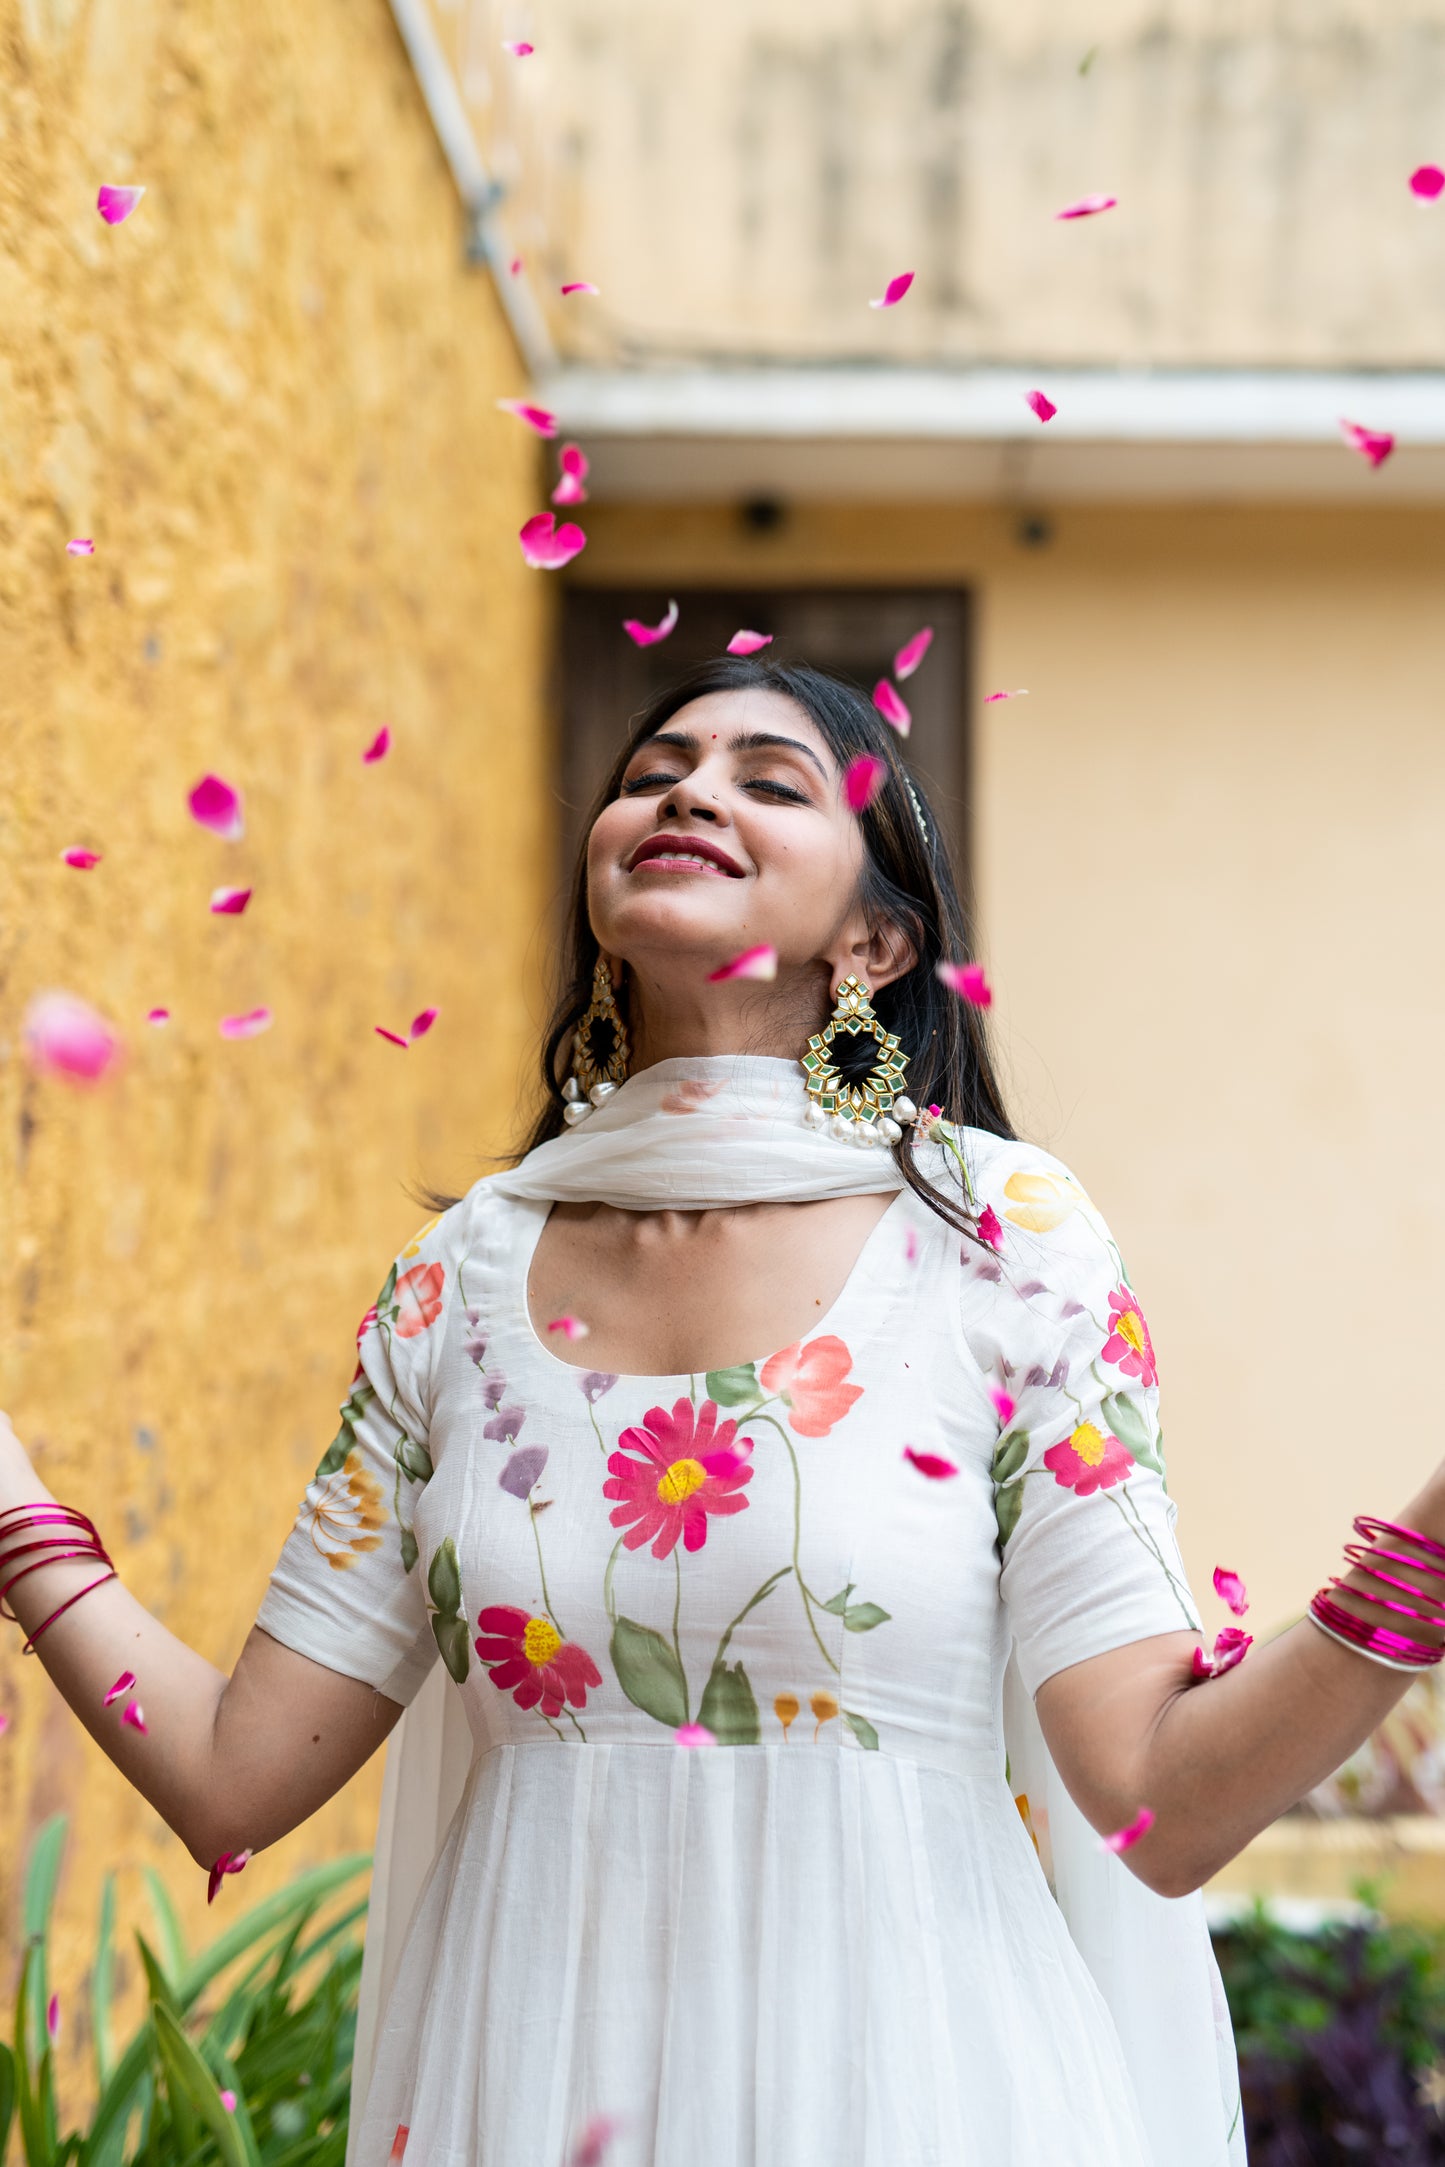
(730, 831)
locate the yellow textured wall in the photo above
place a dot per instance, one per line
(269, 399)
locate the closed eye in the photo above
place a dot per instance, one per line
(779, 790)
(657, 781)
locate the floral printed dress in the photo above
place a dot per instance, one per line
(828, 1939)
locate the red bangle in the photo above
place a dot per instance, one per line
(29, 1647)
(67, 1550)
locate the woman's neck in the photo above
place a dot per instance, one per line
(668, 1023)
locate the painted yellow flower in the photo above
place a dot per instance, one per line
(1040, 1202)
(413, 1247)
(824, 1708)
(347, 1511)
(1026, 1816)
(785, 1708)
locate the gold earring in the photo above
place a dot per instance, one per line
(859, 1113)
(599, 1064)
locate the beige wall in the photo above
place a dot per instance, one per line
(1209, 878)
(269, 398)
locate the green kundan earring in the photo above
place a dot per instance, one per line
(855, 1072)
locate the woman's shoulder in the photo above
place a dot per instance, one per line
(1026, 1186)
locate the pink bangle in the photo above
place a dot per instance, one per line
(29, 1647)
(66, 1551)
(1378, 1642)
(1369, 1527)
(1401, 1610)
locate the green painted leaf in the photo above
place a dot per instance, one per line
(728, 1707)
(451, 1637)
(444, 1579)
(384, 1301)
(413, 1459)
(737, 1387)
(409, 1551)
(1126, 1419)
(1009, 1455)
(649, 1673)
(1008, 1503)
(838, 1603)
(862, 1730)
(862, 1617)
(362, 1395)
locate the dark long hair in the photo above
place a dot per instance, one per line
(907, 882)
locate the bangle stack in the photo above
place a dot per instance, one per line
(1382, 1643)
(75, 1537)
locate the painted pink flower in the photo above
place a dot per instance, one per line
(397, 2153)
(1087, 207)
(1231, 1590)
(528, 1658)
(930, 1464)
(862, 781)
(216, 805)
(808, 1378)
(912, 652)
(642, 635)
(1124, 1839)
(418, 1298)
(989, 1228)
(592, 2146)
(546, 546)
(229, 1862)
(80, 858)
(1089, 1459)
(229, 902)
(65, 1036)
(379, 747)
(1128, 1342)
(570, 490)
(749, 643)
(1005, 1406)
(759, 962)
(1427, 184)
(687, 1466)
(540, 418)
(892, 707)
(894, 291)
(1230, 1647)
(1375, 445)
(116, 204)
(693, 1734)
(1040, 404)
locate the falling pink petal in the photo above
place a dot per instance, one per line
(81, 858)
(591, 2147)
(748, 643)
(546, 546)
(52, 2018)
(990, 1229)
(4, 1725)
(82, 546)
(517, 47)
(862, 781)
(760, 962)
(158, 1016)
(643, 635)
(894, 291)
(217, 806)
(1004, 1404)
(122, 1684)
(229, 1862)
(1021, 694)
(889, 703)
(540, 418)
(1087, 207)
(134, 1715)
(515, 267)
(228, 2101)
(1124, 1839)
(250, 1024)
(967, 981)
(1039, 402)
(395, 1037)
(229, 902)
(65, 1036)
(1230, 1647)
(1375, 445)
(569, 489)
(379, 747)
(1231, 1589)
(928, 1463)
(397, 2153)
(910, 1247)
(570, 1327)
(1427, 183)
(116, 204)
(694, 1734)
(422, 1022)
(581, 285)
(912, 652)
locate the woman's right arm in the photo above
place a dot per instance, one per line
(230, 1764)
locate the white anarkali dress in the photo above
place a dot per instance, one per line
(831, 1939)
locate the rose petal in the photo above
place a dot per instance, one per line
(894, 291)
(4, 1725)
(379, 747)
(1004, 1404)
(1124, 1839)
(217, 806)
(573, 1327)
(229, 902)
(228, 2101)
(65, 1036)
(1039, 403)
(540, 418)
(82, 546)
(990, 1229)
(748, 643)
(133, 1714)
(890, 705)
(249, 1024)
(52, 2018)
(1427, 183)
(581, 285)
(862, 781)
(546, 546)
(517, 47)
(1021, 694)
(592, 2145)
(912, 652)
(1087, 207)
(569, 489)
(523, 1470)
(422, 1022)
(967, 981)
(643, 635)
(81, 858)
(693, 1734)
(394, 1036)
(1231, 1589)
(929, 1463)
(158, 1016)
(760, 962)
(1375, 445)
(116, 204)
(515, 267)
(122, 1684)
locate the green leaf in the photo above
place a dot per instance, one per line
(737, 1387)
(862, 1730)
(838, 1603)
(862, 1617)
(1125, 1418)
(169, 1932)
(334, 1456)
(41, 1876)
(1009, 1455)
(102, 1989)
(413, 1459)
(7, 2096)
(728, 1707)
(1008, 1503)
(409, 1550)
(444, 1579)
(649, 1673)
(450, 1635)
(190, 2080)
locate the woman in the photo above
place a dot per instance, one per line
(866, 1405)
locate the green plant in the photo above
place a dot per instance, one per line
(266, 2013)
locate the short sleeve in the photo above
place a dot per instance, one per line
(1085, 1522)
(346, 1591)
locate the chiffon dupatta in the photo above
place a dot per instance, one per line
(703, 1134)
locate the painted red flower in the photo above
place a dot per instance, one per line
(1128, 1342)
(1089, 1460)
(418, 1299)
(809, 1379)
(528, 1658)
(689, 1467)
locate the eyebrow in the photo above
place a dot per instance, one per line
(744, 741)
